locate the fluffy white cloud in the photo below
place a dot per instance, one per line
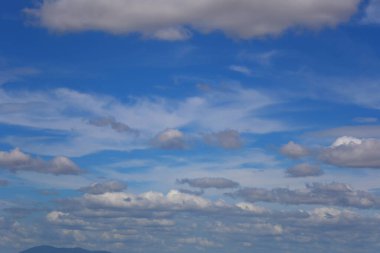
(353, 152)
(171, 19)
(170, 139)
(61, 218)
(294, 150)
(16, 160)
(173, 200)
(249, 207)
(331, 215)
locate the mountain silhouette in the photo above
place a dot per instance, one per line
(50, 249)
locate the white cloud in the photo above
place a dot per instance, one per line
(353, 152)
(170, 139)
(173, 200)
(170, 19)
(67, 114)
(294, 150)
(16, 160)
(198, 241)
(331, 215)
(241, 69)
(249, 207)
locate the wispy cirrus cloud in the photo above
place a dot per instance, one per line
(86, 123)
(15, 74)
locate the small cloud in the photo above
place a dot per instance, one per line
(111, 122)
(209, 182)
(104, 187)
(16, 160)
(294, 150)
(241, 69)
(304, 170)
(228, 139)
(170, 139)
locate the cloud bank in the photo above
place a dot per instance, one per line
(16, 160)
(174, 20)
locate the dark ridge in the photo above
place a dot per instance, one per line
(50, 249)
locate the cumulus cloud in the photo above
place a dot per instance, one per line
(61, 218)
(251, 208)
(294, 150)
(209, 182)
(228, 139)
(353, 152)
(304, 170)
(170, 139)
(16, 160)
(337, 194)
(173, 200)
(329, 215)
(108, 186)
(171, 20)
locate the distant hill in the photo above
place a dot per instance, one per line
(49, 249)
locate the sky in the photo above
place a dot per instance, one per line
(190, 126)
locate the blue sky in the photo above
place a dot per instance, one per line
(207, 126)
